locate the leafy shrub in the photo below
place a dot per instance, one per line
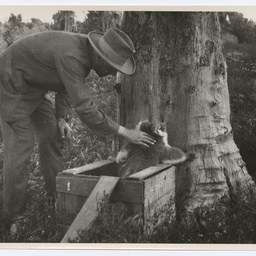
(225, 222)
(242, 89)
(40, 223)
(84, 147)
(111, 227)
(14, 29)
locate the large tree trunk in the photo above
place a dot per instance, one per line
(181, 80)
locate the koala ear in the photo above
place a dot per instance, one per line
(160, 133)
(160, 129)
(162, 126)
(137, 127)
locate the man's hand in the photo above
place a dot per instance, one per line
(65, 129)
(136, 137)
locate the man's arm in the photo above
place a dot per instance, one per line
(63, 114)
(62, 106)
(73, 76)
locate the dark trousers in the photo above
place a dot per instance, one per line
(18, 144)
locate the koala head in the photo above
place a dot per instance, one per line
(154, 130)
(125, 153)
(128, 148)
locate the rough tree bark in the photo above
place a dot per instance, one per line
(181, 79)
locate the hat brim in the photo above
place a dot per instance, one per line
(127, 68)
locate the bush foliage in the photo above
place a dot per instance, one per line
(242, 89)
(226, 222)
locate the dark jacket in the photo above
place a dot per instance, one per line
(49, 61)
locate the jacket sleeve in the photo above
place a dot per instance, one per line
(73, 74)
(62, 105)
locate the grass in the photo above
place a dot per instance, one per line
(229, 222)
(84, 147)
(39, 227)
(225, 222)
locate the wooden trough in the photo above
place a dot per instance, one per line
(146, 192)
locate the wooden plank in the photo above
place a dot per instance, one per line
(159, 185)
(80, 202)
(71, 204)
(161, 209)
(62, 228)
(126, 190)
(91, 208)
(65, 211)
(137, 209)
(128, 209)
(68, 206)
(61, 208)
(159, 191)
(150, 171)
(90, 167)
(157, 206)
(76, 185)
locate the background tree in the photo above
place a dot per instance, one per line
(3, 43)
(181, 80)
(37, 25)
(241, 62)
(64, 20)
(242, 87)
(242, 28)
(15, 28)
(239, 37)
(94, 20)
(69, 21)
(101, 21)
(235, 24)
(12, 27)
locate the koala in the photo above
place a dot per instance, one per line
(134, 158)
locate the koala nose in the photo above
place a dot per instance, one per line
(121, 160)
(121, 157)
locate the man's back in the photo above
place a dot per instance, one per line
(32, 60)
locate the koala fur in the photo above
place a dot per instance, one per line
(134, 158)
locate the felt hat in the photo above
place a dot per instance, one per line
(116, 48)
